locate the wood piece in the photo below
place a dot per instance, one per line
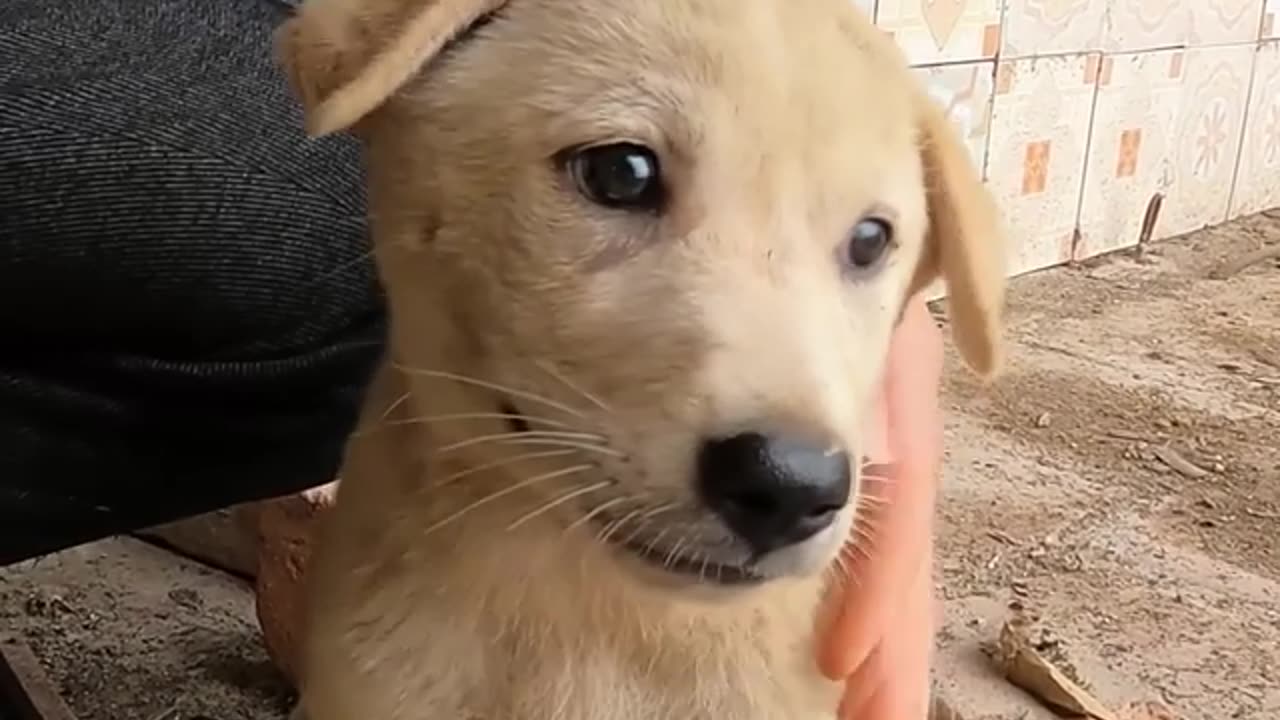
(26, 693)
(1179, 464)
(225, 539)
(1027, 669)
(940, 709)
(1149, 219)
(1236, 265)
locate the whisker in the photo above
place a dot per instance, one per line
(550, 369)
(653, 542)
(496, 437)
(861, 547)
(507, 491)
(602, 507)
(395, 405)
(675, 551)
(613, 527)
(844, 572)
(557, 502)
(474, 469)
(865, 523)
(645, 518)
(836, 568)
(655, 512)
(599, 449)
(843, 564)
(635, 532)
(432, 419)
(496, 387)
(363, 429)
(428, 419)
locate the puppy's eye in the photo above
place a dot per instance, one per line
(870, 240)
(622, 175)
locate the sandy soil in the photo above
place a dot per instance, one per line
(1061, 503)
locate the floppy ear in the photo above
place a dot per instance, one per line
(346, 57)
(965, 242)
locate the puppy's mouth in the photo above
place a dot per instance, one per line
(669, 560)
(700, 569)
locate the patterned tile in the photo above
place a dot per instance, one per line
(1160, 24)
(931, 31)
(1216, 22)
(1147, 24)
(1206, 137)
(1049, 27)
(1035, 163)
(1257, 185)
(1130, 149)
(965, 91)
(1270, 19)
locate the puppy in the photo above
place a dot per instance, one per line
(643, 261)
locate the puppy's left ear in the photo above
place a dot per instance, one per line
(965, 241)
(347, 57)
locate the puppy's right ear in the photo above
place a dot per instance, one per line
(346, 57)
(965, 244)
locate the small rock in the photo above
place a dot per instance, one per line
(1044, 420)
(187, 598)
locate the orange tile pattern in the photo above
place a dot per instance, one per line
(1130, 146)
(1035, 167)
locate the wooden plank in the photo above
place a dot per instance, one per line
(26, 693)
(225, 539)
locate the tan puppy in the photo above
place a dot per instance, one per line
(643, 261)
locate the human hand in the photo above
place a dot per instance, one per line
(881, 620)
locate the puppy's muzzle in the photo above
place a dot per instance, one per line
(773, 491)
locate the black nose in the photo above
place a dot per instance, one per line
(772, 491)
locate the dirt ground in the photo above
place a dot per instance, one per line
(1120, 483)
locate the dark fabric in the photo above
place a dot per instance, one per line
(188, 315)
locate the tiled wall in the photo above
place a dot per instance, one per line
(1080, 111)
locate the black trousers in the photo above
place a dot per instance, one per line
(188, 315)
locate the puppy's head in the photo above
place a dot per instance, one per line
(654, 252)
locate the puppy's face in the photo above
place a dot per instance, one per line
(665, 245)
